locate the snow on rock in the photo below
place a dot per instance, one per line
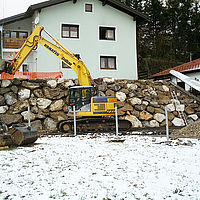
(171, 107)
(159, 117)
(178, 122)
(135, 101)
(108, 80)
(153, 123)
(69, 84)
(43, 103)
(24, 94)
(165, 88)
(87, 167)
(52, 83)
(3, 109)
(121, 96)
(193, 116)
(5, 83)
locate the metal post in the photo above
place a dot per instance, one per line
(29, 117)
(116, 120)
(74, 110)
(167, 127)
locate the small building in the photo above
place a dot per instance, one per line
(190, 69)
(101, 32)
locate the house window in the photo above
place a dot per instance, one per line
(88, 7)
(64, 65)
(107, 62)
(106, 33)
(70, 31)
(15, 34)
(25, 69)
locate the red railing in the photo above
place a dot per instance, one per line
(32, 75)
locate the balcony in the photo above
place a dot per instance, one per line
(13, 43)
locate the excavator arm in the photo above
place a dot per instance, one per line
(58, 50)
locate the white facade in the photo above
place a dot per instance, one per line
(88, 45)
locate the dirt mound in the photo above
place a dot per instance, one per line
(191, 130)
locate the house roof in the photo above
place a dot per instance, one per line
(186, 67)
(113, 3)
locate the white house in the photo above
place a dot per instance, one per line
(190, 69)
(101, 32)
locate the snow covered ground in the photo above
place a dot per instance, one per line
(84, 167)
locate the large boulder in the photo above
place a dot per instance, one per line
(43, 103)
(134, 120)
(10, 119)
(5, 83)
(50, 124)
(24, 94)
(144, 115)
(10, 98)
(57, 105)
(121, 96)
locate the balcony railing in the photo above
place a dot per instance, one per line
(13, 43)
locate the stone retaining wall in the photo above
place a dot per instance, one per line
(141, 102)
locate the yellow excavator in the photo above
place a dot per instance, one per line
(93, 112)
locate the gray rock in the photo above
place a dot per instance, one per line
(50, 124)
(3, 109)
(38, 93)
(30, 85)
(20, 106)
(68, 84)
(53, 93)
(24, 94)
(135, 101)
(121, 96)
(14, 88)
(178, 122)
(43, 103)
(102, 87)
(132, 87)
(108, 80)
(37, 125)
(57, 105)
(5, 83)
(159, 117)
(115, 87)
(153, 123)
(25, 116)
(2, 101)
(52, 83)
(10, 98)
(134, 120)
(10, 118)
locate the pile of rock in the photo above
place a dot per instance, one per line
(141, 102)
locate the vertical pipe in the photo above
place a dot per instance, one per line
(116, 121)
(167, 127)
(29, 117)
(74, 110)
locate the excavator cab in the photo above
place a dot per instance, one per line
(80, 97)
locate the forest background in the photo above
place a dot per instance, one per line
(170, 36)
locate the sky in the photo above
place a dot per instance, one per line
(13, 7)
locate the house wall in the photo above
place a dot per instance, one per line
(88, 44)
(8, 54)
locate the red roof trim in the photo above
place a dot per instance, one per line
(193, 65)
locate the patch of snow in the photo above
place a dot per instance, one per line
(88, 167)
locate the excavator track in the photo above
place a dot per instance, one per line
(91, 125)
